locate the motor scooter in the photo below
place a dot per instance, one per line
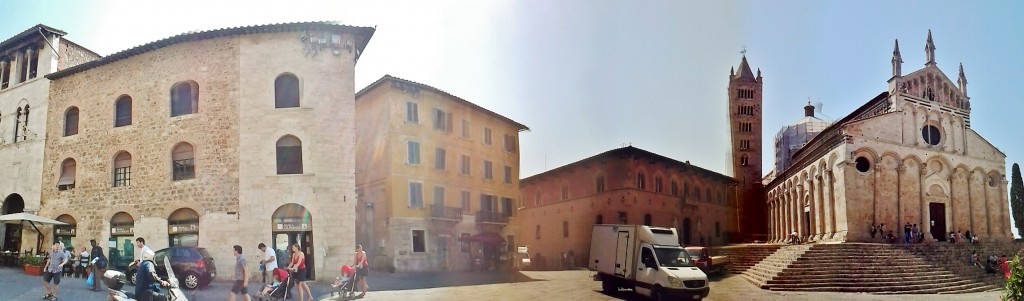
(115, 280)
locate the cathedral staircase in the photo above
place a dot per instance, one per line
(743, 257)
(862, 267)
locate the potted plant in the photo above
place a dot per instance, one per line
(33, 265)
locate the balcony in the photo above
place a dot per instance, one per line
(446, 213)
(491, 217)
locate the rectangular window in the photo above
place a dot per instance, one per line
(464, 196)
(487, 136)
(510, 143)
(464, 238)
(506, 207)
(641, 181)
(565, 193)
(412, 112)
(464, 164)
(488, 174)
(415, 195)
(122, 176)
(599, 182)
(184, 169)
(419, 241)
(565, 229)
(442, 120)
(465, 129)
(657, 184)
(438, 196)
(488, 203)
(439, 158)
(508, 174)
(414, 152)
(536, 200)
(674, 188)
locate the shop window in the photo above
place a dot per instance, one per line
(121, 241)
(66, 233)
(183, 228)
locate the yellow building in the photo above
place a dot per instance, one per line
(437, 178)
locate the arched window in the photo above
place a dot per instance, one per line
(286, 91)
(641, 180)
(183, 161)
(184, 98)
(123, 111)
(67, 175)
(647, 219)
(122, 169)
(289, 155)
(71, 121)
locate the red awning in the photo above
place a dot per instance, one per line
(486, 237)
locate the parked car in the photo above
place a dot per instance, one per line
(193, 266)
(701, 256)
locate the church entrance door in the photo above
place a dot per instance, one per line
(937, 213)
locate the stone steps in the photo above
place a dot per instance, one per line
(865, 277)
(935, 287)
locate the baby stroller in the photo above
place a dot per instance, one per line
(280, 292)
(345, 285)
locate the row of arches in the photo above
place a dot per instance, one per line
(184, 100)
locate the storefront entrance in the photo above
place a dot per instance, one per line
(183, 228)
(66, 233)
(121, 245)
(292, 224)
(12, 232)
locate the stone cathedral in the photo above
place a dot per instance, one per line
(908, 155)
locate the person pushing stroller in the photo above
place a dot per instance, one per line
(345, 284)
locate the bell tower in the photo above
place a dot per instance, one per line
(745, 151)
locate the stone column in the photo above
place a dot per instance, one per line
(1004, 216)
(31, 51)
(15, 73)
(830, 225)
(926, 227)
(970, 202)
(790, 222)
(811, 200)
(773, 218)
(988, 211)
(800, 218)
(952, 203)
(820, 197)
(3, 66)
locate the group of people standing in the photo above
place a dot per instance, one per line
(58, 257)
(296, 269)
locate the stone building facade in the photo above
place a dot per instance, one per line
(909, 155)
(24, 61)
(438, 178)
(240, 136)
(623, 186)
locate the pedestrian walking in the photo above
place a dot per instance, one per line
(140, 245)
(53, 269)
(362, 270)
(906, 233)
(99, 264)
(298, 266)
(241, 273)
(269, 262)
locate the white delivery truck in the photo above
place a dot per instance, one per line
(647, 259)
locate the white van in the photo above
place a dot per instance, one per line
(648, 260)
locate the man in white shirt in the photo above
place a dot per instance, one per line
(141, 248)
(269, 262)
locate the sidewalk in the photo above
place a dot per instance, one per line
(16, 286)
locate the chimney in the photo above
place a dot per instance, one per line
(809, 110)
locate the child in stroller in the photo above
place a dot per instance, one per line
(277, 291)
(345, 284)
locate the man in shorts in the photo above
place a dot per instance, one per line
(53, 269)
(241, 273)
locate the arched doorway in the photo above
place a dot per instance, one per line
(12, 232)
(686, 231)
(183, 228)
(292, 224)
(66, 233)
(122, 234)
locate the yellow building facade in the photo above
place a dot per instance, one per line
(437, 178)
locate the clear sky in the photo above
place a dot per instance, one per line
(588, 76)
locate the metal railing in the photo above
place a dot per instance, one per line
(491, 217)
(445, 212)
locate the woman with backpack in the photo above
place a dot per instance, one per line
(99, 265)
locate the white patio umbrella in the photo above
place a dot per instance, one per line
(32, 219)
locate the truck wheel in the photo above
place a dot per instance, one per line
(657, 295)
(608, 286)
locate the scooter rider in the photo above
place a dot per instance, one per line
(145, 276)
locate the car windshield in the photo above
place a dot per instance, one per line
(672, 257)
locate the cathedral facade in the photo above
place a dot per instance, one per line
(909, 155)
